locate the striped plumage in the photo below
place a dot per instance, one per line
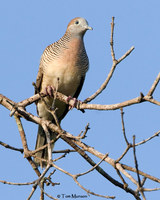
(63, 64)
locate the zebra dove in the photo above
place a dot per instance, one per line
(63, 65)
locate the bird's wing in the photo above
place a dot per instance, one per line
(76, 94)
(39, 80)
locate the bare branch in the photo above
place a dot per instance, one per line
(141, 173)
(136, 100)
(5, 102)
(126, 54)
(19, 184)
(80, 136)
(136, 163)
(111, 41)
(49, 179)
(48, 142)
(150, 190)
(148, 139)
(64, 151)
(112, 161)
(62, 156)
(92, 167)
(24, 143)
(75, 179)
(51, 126)
(143, 181)
(98, 168)
(93, 193)
(124, 153)
(10, 147)
(38, 181)
(41, 185)
(22, 133)
(123, 128)
(121, 177)
(154, 85)
(151, 100)
(32, 192)
(47, 194)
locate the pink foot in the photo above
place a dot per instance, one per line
(49, 90)
(74, 104)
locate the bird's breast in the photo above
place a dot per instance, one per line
(67, 68)
(64, 75)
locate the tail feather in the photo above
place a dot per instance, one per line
(41, 141)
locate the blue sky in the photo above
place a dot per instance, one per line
(27, 28)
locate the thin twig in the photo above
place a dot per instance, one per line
(10, 147)
(146, 140)
(47, 194)
(48, 142)
(49, 179)
(81, 174)
(24, 143)
(123, 127)
(55, 94)
(121, 177)
(143, 181)
(52, 110)
(93, 193)
(49, 176)
(124, 153)
(126, 167)
(143, 196)
(126, 54)
(80, 136)
(42, 190)
(150, 189)
(64, 151)
(32, 192)
(154, 85)
(75, 179)
(62, 156)
(136, 163)
(19, 184)
(151, 100)
(111, 41)
(38, 181)
(22, 133)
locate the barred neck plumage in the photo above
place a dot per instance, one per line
(54, 51)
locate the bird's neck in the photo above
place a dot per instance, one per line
(71, 35)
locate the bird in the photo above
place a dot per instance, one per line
(63, 66)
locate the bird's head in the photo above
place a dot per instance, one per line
(78, 26)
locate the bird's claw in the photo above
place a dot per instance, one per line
(74, 104)
(49, 90)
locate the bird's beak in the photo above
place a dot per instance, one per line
(89, 28)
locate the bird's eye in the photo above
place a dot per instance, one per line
(76, 22)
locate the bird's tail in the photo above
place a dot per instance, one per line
(41, 141)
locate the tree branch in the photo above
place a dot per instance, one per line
(150, 93)
(10, 147)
